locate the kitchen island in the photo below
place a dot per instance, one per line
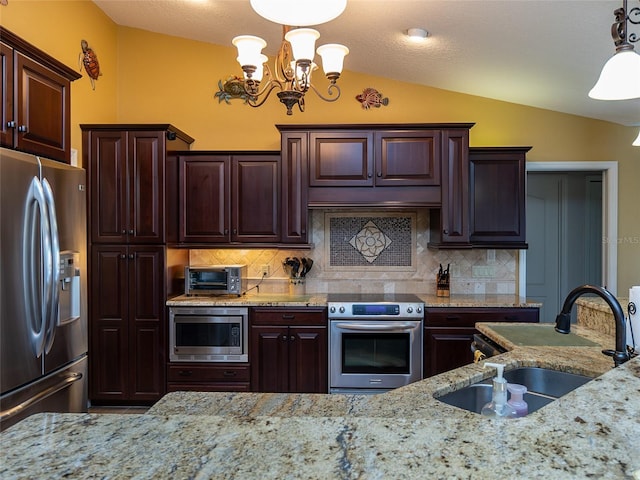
(405, 433)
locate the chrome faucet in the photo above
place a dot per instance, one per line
(563, 320)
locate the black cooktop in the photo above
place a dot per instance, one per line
(373, 298)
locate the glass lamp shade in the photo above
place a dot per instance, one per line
(249, 49)
(332, 57)
(303, 42)
(300, 72)
(258, 74)
(620, 77)
(636, 142)
(299, 13)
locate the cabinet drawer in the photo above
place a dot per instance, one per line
(288, 316)
(468, 317)
(209, 387)
(190, 372)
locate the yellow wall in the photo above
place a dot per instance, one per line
(154, 78)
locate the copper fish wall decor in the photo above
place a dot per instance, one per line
(89, 60)
(370, 97)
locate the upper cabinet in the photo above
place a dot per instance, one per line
(380, 164)
(36, 100)
(126, 169)
(497, 196)
(228, 198)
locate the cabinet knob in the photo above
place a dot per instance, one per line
(123, 256)
(446, 232)
(379, 174)
(292, 338)
(124, 232)
(283, 338)
(131, 232)
(22, 128)
(369, 175)
(235, 231)
(226, 231)
(131, 256)
(11, 124)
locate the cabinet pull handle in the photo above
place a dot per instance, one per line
(11, 124)
(511, 318)
(185, 373)
(453, 317)
(22, 128)
(228, 373)
(288, 316)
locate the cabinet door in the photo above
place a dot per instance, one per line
(269, 359)
(450, 223)
(204, 190)
(108, 324)
(497, 192)
(146, 187)
(410, 158)
(6, 85)
(255, 186)
(446, 349)
(341, 159)
(308, 360)
(294, 202)
(43, 106)
(108, 179)
(147, 329)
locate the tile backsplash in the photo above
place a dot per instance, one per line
(371, 252)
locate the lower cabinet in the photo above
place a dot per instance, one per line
(288, 350)
(127, 324)
(208, 377)
(449, 331)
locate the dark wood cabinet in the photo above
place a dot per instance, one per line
(498, 196)
(128, 259)
(288, 350)
(373, 165)
(227, 198)
(294, 184)
(449, 332)
(208, 377)
(36, 99)
(449, 225)
(127, 342)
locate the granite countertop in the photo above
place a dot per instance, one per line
(406, 433)
(320, 300)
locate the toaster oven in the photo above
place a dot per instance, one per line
(215, 280)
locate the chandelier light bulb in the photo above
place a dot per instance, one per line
(303, 42)
(249, 50)
(299, 13)
(620, 77)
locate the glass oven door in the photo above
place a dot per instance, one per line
(375, 354)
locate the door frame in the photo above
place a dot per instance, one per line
(609, 218)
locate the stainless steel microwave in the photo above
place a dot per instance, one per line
(208, 334)
(215, 280)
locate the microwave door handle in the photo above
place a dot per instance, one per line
(368, 327)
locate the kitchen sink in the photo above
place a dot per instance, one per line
(544, 385)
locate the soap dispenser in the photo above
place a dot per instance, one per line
(517, 401)
(498, 406)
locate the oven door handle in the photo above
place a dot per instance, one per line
(395, 327)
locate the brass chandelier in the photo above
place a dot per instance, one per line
(294, 65)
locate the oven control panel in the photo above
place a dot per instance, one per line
(400, 311)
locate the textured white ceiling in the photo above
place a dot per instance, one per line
(542, 53)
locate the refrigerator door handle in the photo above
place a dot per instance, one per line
(64, 383)
(36, 247)
(53, 264)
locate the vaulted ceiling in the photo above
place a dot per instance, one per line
(542, 53)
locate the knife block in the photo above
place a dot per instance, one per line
(442, 285)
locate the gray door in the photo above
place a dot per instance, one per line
(564, 233)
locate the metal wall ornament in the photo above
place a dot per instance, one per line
(89, 60)
(370, 97)
(232, 88)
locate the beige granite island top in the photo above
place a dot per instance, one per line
(406, 433)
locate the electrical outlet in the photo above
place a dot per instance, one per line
(266, 270)
(483, 271)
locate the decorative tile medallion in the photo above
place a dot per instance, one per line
(370, 241)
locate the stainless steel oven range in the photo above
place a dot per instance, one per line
(375, 342)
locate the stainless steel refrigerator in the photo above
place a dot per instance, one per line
(43, 285)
